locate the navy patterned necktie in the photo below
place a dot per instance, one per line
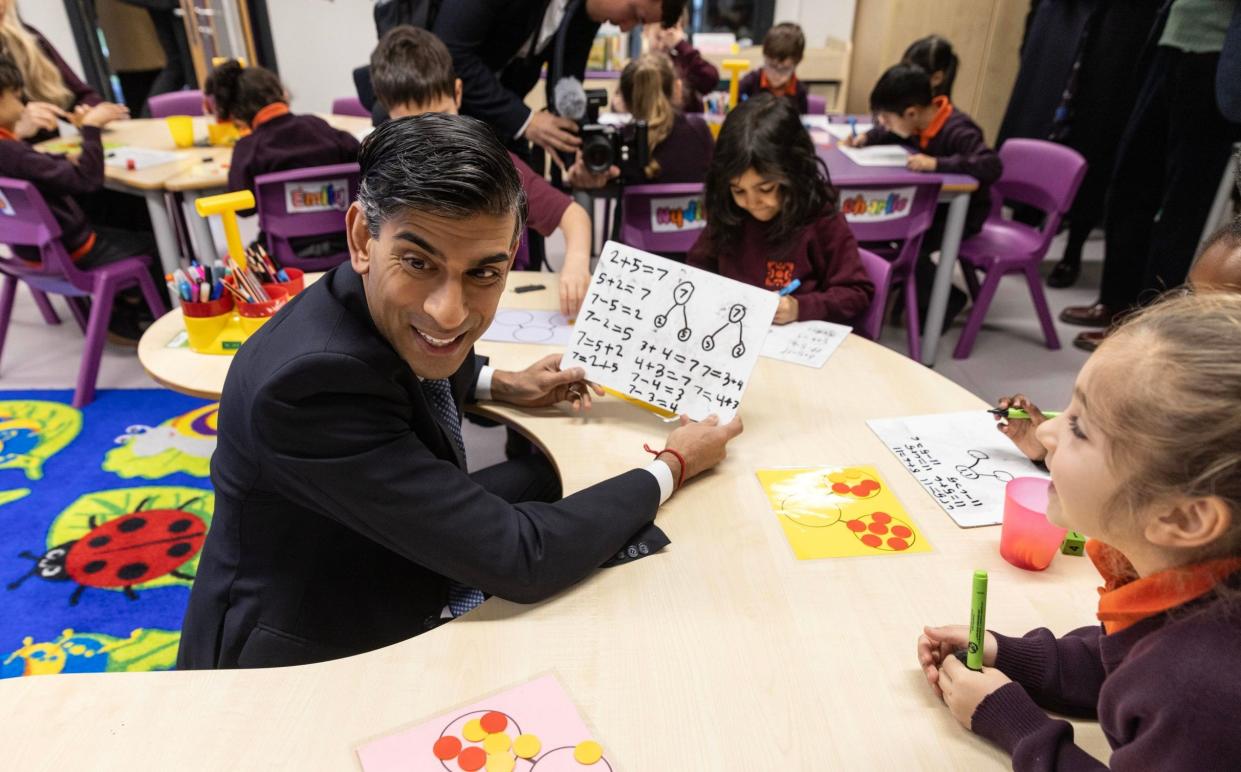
(438, 392)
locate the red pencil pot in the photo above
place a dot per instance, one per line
(253, 315)
(296, 282)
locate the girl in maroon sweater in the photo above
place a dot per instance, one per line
(1147, 458)
(772, 218)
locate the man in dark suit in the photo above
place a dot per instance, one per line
(499, 48)
(344, 518)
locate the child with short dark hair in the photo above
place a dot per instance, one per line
(1147, 460)
(679, 145)
(784, 45)
(772, 217)
(61, 181)
(934, 54)
(412, 73)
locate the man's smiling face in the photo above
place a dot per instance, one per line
(432, 283)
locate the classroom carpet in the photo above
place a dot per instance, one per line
(103, 513)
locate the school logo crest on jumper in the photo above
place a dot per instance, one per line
(180, 444)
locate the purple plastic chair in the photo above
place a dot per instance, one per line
(897, 239)
(188, 102)
(646, 208)
(879, 271)
(285, 212)
(350, 106)
(1039, 174)
(31, 224)
(521, 260)
(816, 105)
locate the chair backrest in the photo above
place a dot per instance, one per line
(26, 221)
(891, 213)
(816, 105)
(305, 202)
(187, 102)
(879, 271)
(1040, 174)
(662, 218)
(350, 105)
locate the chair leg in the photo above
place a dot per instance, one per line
(79, 309)
(45, 306)
(913, 328)
(8, 291)
(1035, 283)
(971, 279)
(991, 282)
(96, 335)
(152, 296)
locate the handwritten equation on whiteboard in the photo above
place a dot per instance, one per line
(670, 335)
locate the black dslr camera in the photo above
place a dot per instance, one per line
(606, 146)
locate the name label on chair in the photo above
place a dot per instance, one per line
(681, 213)
(316, 196)
(876, 205)
(5, 207)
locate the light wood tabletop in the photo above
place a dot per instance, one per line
(722, 652)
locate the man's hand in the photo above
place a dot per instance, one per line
(786, 312)
(544, 383)
(1022, 431)
(553, 133)
(920, 162)
(104, 113)
(965, 689)
(578, 176)
(701, 444)
(37, 117)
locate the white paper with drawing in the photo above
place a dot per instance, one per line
(519, 325)
(669, 335)
(804, 343)
(960, 459)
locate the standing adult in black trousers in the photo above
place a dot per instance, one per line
(1174, 149)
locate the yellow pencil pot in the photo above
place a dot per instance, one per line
(181, 127)
(205, 321)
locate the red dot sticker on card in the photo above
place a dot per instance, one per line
(898, 544)
(857, 526)
(871, 540)
(901, 532)
(881, 517)
(878, 528)
(472, 759)
(840, 488)
(494, 722)
(447, 747)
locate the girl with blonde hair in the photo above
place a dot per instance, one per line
(679, 144)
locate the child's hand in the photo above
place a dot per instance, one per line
(937, 644)
(858, 141)
(37, 117)
(104, 113)
(920, 162)
(1022, 431)
(965, 689)
(574, 282)
(786, 312)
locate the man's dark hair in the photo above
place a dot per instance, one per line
(411, 66)
(784, 41)
(672, 10)
(240, 92)
(901, 87)
(10, 75)
(449, 166)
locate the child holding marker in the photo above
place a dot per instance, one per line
(1147, 459)
(772, 218)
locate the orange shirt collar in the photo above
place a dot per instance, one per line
(1125, 599)
(790, 86)
(6, 134)
(271, 112)
(942, 112)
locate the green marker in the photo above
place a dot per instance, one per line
(978, 621)
(1018, 414)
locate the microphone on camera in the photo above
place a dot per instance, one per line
(569, 99)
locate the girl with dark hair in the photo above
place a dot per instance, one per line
(934, 54)
(255, 99)
(772, 217)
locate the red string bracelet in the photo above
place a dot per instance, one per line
(679, 457)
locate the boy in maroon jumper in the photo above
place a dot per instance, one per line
(783, 48)
(61, 181)
(772, 217)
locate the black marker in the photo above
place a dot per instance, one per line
(529, 288)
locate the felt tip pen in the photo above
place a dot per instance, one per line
(790, 288)
(1013, 413)
(853, 126)
(978, 621)
(529, 288)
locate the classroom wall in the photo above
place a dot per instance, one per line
(318, 43)
(820, 19)
(50, 18)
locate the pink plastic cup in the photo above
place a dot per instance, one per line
(1027, 540)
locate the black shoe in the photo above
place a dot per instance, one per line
(1064, 274)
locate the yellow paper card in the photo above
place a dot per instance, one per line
(840, 512)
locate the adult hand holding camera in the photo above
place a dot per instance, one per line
(580, 177)
(553, 132)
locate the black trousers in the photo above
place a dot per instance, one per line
(1168, 167)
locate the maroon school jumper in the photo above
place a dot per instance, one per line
(697, 76)
(544, 204)
(834, 286)
(59, 180)
(1166, 691)
(685, 154)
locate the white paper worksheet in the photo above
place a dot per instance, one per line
(670, 335)
(876, 155)
(805, 343)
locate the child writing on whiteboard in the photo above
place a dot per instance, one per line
(1147, 460)
(772, 219)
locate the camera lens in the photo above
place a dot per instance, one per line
(597, 153)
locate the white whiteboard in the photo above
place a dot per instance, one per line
(961, 459)
(670, 335)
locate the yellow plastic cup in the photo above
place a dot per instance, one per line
(222, 134)
(182, 129)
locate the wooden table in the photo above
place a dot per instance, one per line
(722, 652)
(198, 171)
